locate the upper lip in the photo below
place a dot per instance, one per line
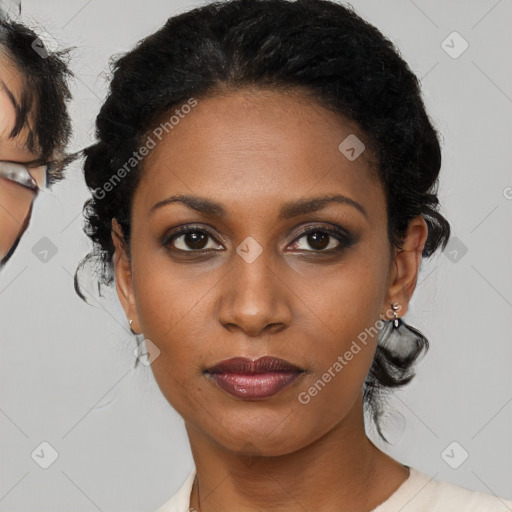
(245, 365)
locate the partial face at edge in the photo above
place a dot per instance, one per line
(322, 277)
(15, 199)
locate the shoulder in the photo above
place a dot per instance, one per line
(421, 493)
(449, 496)
(180, 502)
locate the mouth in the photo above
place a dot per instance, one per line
(254, 380)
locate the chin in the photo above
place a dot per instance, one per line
(270, 437)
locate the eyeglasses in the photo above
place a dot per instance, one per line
(33, 178)
(20, 184)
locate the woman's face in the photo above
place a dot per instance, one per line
(249, 281)
(15, 199)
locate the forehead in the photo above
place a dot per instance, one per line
(241, 147)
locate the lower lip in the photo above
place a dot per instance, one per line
(254, 386)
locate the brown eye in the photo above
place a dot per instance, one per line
(323, 239)
(318, 240)
(190, 239)
(195, 240)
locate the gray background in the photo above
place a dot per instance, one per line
(66, 369)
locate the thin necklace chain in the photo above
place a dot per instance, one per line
(192, 509)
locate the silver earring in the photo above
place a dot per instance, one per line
(131, 322)
(396, 321)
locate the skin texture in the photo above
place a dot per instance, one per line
(15, 200)
(253, 151)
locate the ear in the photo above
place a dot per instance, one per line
(123, 276)
(406, 265)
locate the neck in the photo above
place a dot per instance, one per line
(340, 471)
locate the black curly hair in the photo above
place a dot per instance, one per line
(45, 94)
(314, 46)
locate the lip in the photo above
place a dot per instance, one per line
(254, 379)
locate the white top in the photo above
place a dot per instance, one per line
(419, 493)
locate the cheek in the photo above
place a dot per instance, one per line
(166, 316)
(171, 312)
(348, 298)
(341, 358)
(15, 202)
(348, 304)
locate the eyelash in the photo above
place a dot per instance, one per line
(342, 236)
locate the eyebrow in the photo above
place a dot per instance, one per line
(287, 210)
(21, 110)
(9, 94)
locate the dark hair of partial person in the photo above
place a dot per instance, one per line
(317, 47)
(44, 95)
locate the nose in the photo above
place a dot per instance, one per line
(254, 298)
